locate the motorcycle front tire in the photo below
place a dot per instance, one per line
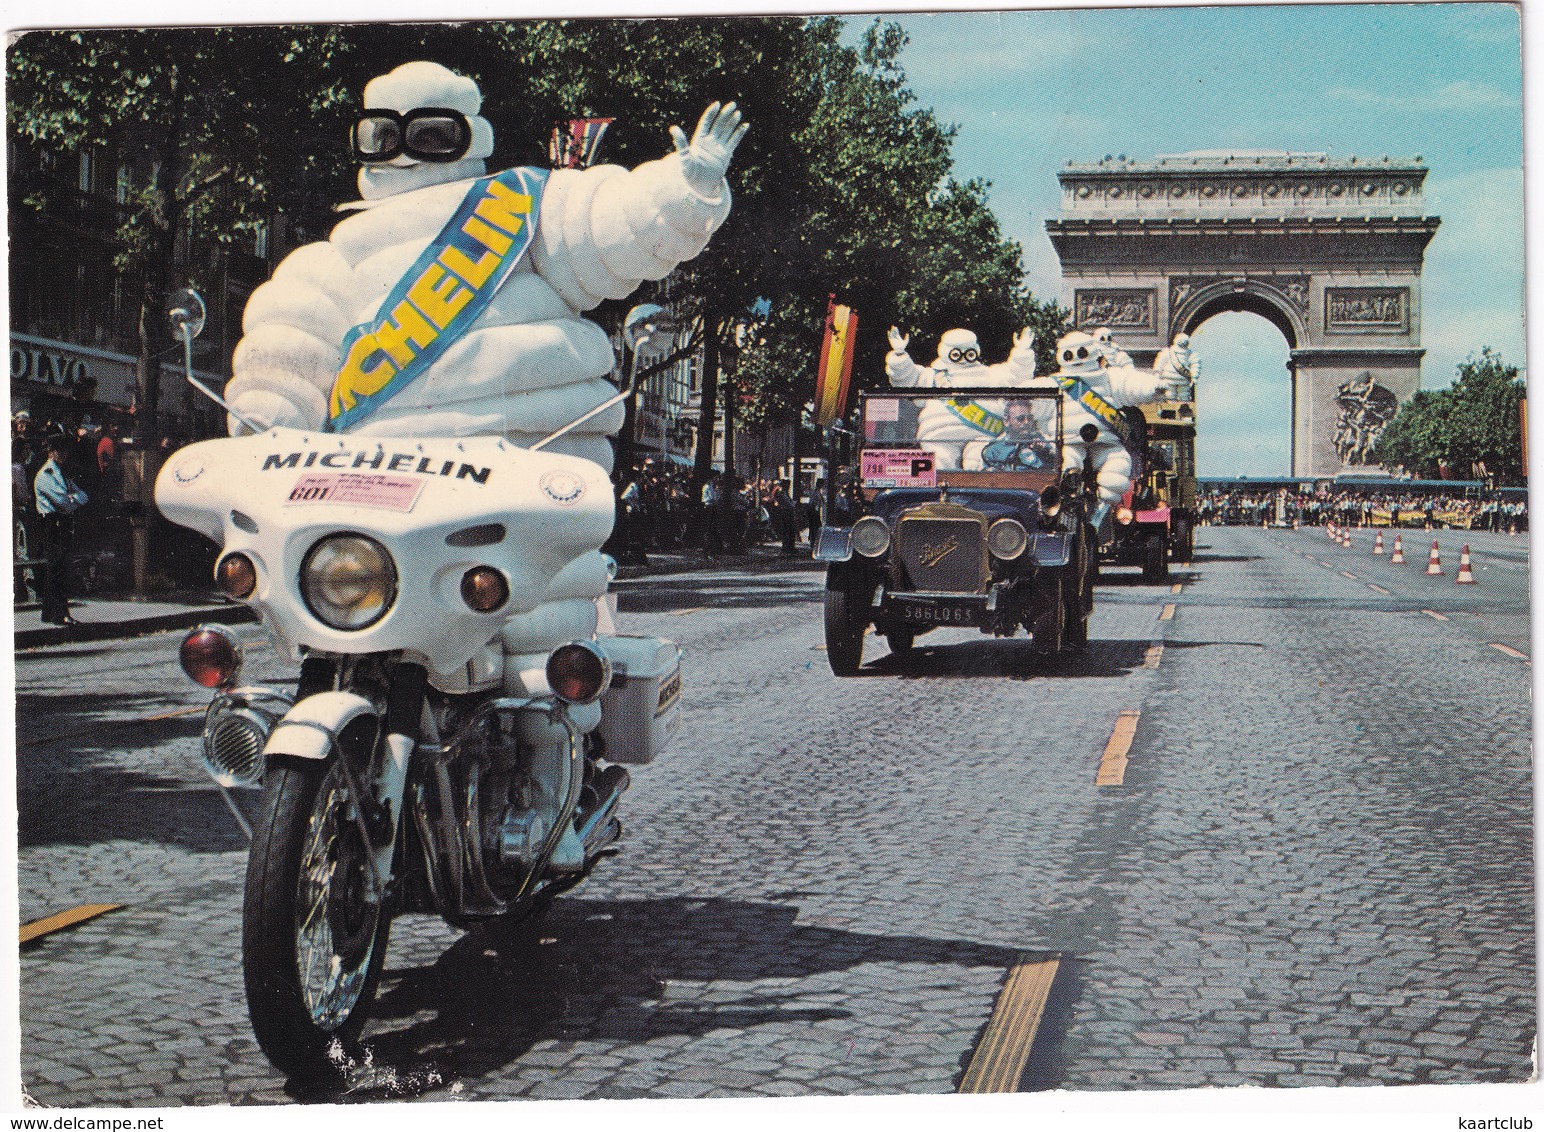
(287, 1029)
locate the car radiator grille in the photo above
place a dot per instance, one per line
(942, 555)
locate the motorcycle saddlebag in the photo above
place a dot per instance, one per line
(642, 709)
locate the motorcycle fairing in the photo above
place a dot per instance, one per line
(272, 496)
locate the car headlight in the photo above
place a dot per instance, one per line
(871, 536)
(1007, 538)
(348, 581)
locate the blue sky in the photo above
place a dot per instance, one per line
(1029, 90)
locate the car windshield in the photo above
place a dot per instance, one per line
(984, 437)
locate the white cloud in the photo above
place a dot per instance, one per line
(1472, 283)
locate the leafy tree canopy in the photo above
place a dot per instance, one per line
(1476, 420)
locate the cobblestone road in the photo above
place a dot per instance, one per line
(1317, 869)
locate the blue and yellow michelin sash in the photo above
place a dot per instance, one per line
(441, 295)
(1089, 397)
(976, 415)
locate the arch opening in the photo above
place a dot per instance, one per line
(1244, 396)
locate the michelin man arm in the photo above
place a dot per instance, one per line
(605, 230)
(1021, 359)
(902, 371)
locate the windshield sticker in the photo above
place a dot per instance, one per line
(883, 409)
(188, 470)
(357, 489)
(563, 488)
(898, 467)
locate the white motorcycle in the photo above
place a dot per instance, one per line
(415, 767)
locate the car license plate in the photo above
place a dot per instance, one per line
(940, 613)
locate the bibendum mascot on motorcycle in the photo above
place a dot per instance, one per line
(1093, 395)
(449, 303)
(954, 430)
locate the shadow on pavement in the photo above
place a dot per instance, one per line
(620, 971)
(1014, 658)
(750, 591)
(73, 788)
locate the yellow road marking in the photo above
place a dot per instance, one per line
(1168, 612)
(1176, 587)
(1376, 588)
(1348, 574)
(37, 929)
(1112, 768)
(1437, 616)
(1005, 1046)
(1509, 650)
(1154, 655)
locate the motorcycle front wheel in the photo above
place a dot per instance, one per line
(312, 944)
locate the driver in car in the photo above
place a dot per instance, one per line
(1021, 447)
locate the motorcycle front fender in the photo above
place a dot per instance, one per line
(310, 728)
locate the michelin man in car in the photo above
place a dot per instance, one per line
(955, 431)
(1093, 395)
(449, 303)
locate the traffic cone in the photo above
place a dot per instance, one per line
(1465, 574)
(1329, 531)
(1377, 546)
(1434, 564)
(1345, 538)
(1398, 558)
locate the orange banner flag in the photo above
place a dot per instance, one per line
(835, 373)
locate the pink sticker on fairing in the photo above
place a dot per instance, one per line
(898, 467)
(358, 489)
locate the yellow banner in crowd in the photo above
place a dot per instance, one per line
(835, 372)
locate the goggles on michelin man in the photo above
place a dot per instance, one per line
(428, 133)
(959, 355)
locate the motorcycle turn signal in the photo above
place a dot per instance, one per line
(578, 672)
(236, 576)
(484, 589)
(211, 656)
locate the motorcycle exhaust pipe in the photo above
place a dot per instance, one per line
(610, 784)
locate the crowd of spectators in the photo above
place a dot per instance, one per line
(661, 509)
(59, 550)
(1349, 508)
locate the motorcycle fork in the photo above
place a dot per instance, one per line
(377, 814)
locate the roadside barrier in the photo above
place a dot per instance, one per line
(1465, 572)
(1434, 564)
(1398, 558)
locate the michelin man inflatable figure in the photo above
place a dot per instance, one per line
(448, 303)
(1179, 366)
(1113, 354)
(1093, 396)
(956, 431)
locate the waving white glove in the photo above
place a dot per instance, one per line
(705, 158)
(1024, 341)
(898, 341)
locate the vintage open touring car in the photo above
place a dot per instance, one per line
(983, 533)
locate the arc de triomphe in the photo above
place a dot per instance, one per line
(1329, 251)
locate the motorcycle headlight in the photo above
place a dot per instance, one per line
(348, 581)
(871, 536)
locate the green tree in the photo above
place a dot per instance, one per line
(892, 234)
(1476, 420)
